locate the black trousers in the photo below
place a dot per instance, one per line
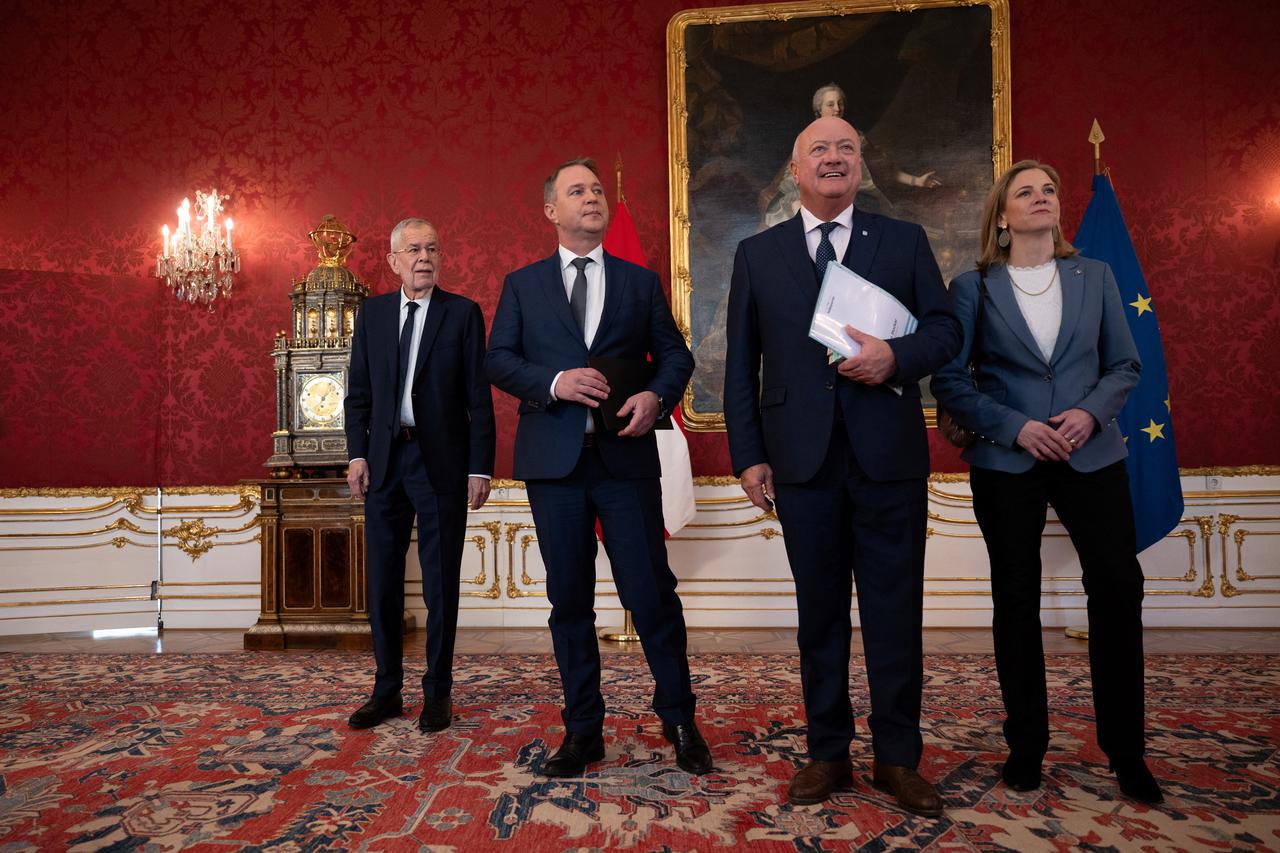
(630, 514)
(1095, 509)
(389, 512)
(842, 527)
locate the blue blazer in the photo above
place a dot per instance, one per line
(1093, 367)
(452, 406)
(534, 337)
(785, 414)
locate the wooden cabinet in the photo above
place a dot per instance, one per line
(313, 582)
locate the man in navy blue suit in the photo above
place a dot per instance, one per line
(842, 450)
(420, 434)
(551, 317)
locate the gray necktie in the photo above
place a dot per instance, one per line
(578, 299)
(826, 252)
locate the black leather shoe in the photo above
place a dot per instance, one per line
(437, 714)
(692, 753)
(376, 710)
(574, 754)
(1136, 781)
(1021, 774)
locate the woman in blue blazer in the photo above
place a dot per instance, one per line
(1052, 362)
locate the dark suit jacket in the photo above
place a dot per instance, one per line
(452, 406)
(534, 337)
(1094, 366)
(785, 416)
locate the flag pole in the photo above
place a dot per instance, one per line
(1096, 138)
(627, 634)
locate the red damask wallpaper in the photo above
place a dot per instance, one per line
(116, 109)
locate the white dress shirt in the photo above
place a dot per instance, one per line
(595, 300)
(839, 235)
(419, 320)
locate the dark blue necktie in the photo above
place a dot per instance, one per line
(406, 344)
(826, 252)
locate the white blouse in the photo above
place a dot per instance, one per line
(1039, 294)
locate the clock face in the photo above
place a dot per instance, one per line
(320, 401)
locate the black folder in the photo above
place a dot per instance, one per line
(626, 377)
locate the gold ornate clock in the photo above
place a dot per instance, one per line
(319, 401)
(311, 363)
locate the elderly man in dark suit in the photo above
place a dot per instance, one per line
(553, 316)
(842, 450)
(420, 433)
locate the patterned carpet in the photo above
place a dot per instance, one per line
(251, 751)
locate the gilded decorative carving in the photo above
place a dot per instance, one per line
(194, 535)
(1225, 522)
(513, 591)
(118, 524)
(766, 533)
(1205, 523)
(1229, 471)
(494, 591)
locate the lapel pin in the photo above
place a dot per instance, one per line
(864, 233)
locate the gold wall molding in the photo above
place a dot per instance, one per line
(494, 590)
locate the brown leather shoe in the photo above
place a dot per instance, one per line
(818, 780)
(910, 788)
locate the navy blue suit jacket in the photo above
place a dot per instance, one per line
(784, 414)
(452, 406)
(534, 337)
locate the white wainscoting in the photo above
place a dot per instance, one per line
(82, 559)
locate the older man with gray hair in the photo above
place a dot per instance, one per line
(420, 434)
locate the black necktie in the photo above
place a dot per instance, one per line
(578, 299)
(406, 344)
(826, 252)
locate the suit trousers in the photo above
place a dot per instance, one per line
(442, 518)
(840, 528)
(1095, 509)
(630, 515)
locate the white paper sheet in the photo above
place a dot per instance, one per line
(847, 298)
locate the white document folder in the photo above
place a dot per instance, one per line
(847, 298)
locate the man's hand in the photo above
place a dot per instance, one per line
(477, 491)
(1075, 425)
(1043, 442)
(643, 409)
(584, 385)
(757, 482)
(873, 365)
(358, 478)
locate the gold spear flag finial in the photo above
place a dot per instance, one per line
(617, 165)
(1096, 137)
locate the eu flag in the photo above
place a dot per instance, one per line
(1145, 419)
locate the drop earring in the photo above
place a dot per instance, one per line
(1003, 238)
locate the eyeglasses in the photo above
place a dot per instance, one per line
(431, 250)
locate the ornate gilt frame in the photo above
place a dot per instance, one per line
(677, 136)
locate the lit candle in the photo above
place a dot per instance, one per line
(212, 199)
(230, 224)
(165, 232)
